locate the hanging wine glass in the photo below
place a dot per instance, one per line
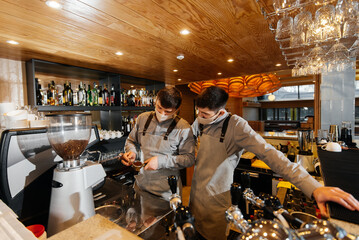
(280, 5)
(301, 27)
(324, 27)
(350, 28)
(316, 60)
(338, 58)
(354, 49)
(284, 28)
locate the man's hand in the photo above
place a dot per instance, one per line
(151, 163)
(334, 194)
(128, 158)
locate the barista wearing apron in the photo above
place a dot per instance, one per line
(166, 144)
(223, 139)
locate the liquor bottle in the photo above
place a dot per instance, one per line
(89, 96)
(100, 96)
(112, 95)
(82, 95)
(70, 96)
(118, 96)
(94, 95)
(44, 97)
(130, 98)
(123, 97)
(137, 98)
(106, 96)
(38, 93)
(75, 99)
(64, 95)
(49, 96)
(53, 94)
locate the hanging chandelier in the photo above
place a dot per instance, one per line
(315, 36)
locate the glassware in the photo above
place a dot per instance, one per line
(284, 28)
(338, 58)
(301, 25)
(280, 5)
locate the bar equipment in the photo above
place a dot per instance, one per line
(346, 133)
(73, 179)
(183, 224)
(305, 156)
(334, 133)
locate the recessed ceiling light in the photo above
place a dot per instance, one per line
(132, 86)
(179, 79)
(119, 53)
(53, 4)
(185, 32)
(180, 57)
(278, 65)
(230, 60)
(12, 42)
(219, 73)
(175, 70)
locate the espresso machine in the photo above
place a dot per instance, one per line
(305, 155)
(71, 194)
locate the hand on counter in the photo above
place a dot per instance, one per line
(128, 158)
(334, 194)
(151, 163)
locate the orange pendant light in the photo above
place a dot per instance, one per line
(244, 86)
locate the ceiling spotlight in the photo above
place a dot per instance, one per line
(219, 73)
(230, 60)
(185, 32)
(12, 42)
(132, 86)
(175, 70)
(278, 65)
(119, 53)
(179, 79)
(271, 97)
(180, 57)
(53, 4)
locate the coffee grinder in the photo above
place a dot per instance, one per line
(73, 179)
(305, 156)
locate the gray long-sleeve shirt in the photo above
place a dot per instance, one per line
(181, 141)
(240, 136)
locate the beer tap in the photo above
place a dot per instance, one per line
(183, 221)
(234, 215)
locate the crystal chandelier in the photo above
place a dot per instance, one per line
(315, 36)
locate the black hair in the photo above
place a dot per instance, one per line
(213, 98)
(170, 97)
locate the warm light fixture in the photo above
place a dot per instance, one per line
(175, 70)
(219, 73)
(179, 79)
(180, 57)
(12, 42)
(53, 4)
(119, 53)
(185, 32)
(230, 60)
(271, 97)
(278, 65)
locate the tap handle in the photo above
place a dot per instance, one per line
(236, 193)
(172, 181)
(246, 180)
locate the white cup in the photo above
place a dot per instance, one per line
(5, 108)
(332, 147)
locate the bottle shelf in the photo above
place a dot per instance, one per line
(92, 108)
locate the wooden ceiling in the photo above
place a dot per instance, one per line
(87, 33)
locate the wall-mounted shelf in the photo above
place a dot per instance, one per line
(92, 108)
(251, 104)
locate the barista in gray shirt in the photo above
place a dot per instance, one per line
(218, 155)
(166, 143)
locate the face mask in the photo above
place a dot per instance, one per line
(162, 117)
(206, 121)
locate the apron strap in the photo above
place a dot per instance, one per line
(200, 129)
(147, 123)
(172, 126)
(224, 127)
